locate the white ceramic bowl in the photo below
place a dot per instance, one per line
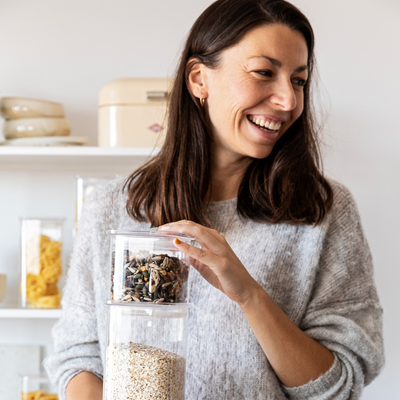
(32, 127)
(3, 286)
(19, 107)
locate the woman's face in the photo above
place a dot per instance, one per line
(256, 92)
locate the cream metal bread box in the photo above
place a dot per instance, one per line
(132, 112)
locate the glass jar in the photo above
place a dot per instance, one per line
(36, 388)
(147, 267)
(41, 262)
(84, 186)
(3, 286)
(146, 351)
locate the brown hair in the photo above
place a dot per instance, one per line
(288, 185)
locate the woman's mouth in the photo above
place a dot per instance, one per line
(264, 124)
(264, 128)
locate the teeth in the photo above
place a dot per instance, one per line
(270, 125)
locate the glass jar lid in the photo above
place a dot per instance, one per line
(147, 234)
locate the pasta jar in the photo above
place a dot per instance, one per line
(41, 262)
(147, 267)
(36, 388)
(146, 351)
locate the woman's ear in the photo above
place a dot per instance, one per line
(197, 78)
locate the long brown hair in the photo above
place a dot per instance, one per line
(288, 185)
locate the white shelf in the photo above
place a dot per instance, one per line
(75, 151)
(74, 155)
(29, 313)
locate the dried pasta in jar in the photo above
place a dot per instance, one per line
(41, 288)
(38, 395)
(41, 263)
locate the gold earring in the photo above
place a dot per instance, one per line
(202, 101)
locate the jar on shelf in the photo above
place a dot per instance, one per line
(41, 262)
(147, 267)
(36, 388)
(146, 351)
(3, 286)
(84, 186)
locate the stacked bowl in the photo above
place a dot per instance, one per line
(35, 122)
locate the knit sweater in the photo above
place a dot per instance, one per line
(321, 277)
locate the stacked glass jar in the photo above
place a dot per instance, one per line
(147, 317)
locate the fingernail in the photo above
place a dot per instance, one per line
(163, 228)
(177, 241)
(154, 229)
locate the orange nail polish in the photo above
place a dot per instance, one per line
(177, 241)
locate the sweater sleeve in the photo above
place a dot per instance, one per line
(75, 336)
(344, 313)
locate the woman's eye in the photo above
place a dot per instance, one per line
(264, 73)
(300, 82)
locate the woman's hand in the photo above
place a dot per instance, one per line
(294, 356)
(216, 262)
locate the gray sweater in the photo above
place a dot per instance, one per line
(321, 277)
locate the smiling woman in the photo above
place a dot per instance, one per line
(284, 303)
(253, 99)
(246, 60)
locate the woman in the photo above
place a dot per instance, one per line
(284, 302)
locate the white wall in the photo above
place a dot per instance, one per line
(66, 50)
(359, 62)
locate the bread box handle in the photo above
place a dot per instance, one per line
(156, 96)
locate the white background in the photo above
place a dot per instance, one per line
(66, 50)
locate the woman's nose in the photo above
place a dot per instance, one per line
(284, 95)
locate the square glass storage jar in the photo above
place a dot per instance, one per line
(146, 351)
(41, 262)
(84, 186)
(36, 388)
(147, 267)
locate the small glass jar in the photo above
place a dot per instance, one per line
(147, 267)
(36, 388)
(41, 262)
(146, 351)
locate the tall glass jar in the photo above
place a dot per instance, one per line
(147, 267)
(84, 186)
(146, 351)
(36, 388)
(41, 262)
